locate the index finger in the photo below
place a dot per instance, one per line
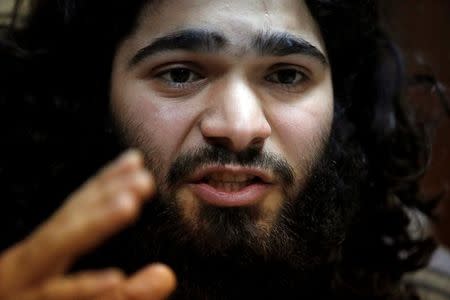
(103, 205)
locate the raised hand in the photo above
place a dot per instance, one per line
(35, 269)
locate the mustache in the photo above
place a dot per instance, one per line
(194, 159)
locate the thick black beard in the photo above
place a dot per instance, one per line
(216, 231)
(231, 261)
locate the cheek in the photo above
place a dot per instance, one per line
(147, 120)
(301, 130)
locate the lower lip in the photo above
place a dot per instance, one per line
(247, 196)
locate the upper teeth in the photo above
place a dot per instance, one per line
(230, 177)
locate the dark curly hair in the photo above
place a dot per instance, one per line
(54, 124)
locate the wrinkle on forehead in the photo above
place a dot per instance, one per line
(235, 18)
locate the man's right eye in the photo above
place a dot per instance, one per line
(179, 76)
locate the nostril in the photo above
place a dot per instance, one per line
(257, 142)
(222, 142)
(226, 143)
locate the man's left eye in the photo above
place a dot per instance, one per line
(179, 76)
(287, 76)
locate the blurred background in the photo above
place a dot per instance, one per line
(421, 28)
(7, 7)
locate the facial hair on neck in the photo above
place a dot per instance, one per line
(297, 253)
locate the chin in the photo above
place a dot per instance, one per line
(217, 229)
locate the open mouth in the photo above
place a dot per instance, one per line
(229, 182)
(228, 186)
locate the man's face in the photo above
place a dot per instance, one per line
(232, 104)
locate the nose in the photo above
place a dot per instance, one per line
(235, 118)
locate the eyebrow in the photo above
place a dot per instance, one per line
(195, 40)
(200, 40)
(283, 43)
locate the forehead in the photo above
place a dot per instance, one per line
(237, 19)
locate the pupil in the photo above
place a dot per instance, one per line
(287, 76)
(180, 75)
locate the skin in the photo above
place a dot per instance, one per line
(232, 98)
(35, 268)
(238, 103)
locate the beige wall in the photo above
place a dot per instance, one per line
(5, 9)
(6, 6)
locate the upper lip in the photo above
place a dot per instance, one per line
(204, 172)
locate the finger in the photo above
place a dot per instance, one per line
(92, 214)
(84, 286)
(128, 163)
(155, 282)
(99, 212)
(130, 160)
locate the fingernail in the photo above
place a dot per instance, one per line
(130, 155)
(144, 180)
(124, 200)
(157, 280)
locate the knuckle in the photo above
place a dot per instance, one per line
(127, 207)
(142, 183)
